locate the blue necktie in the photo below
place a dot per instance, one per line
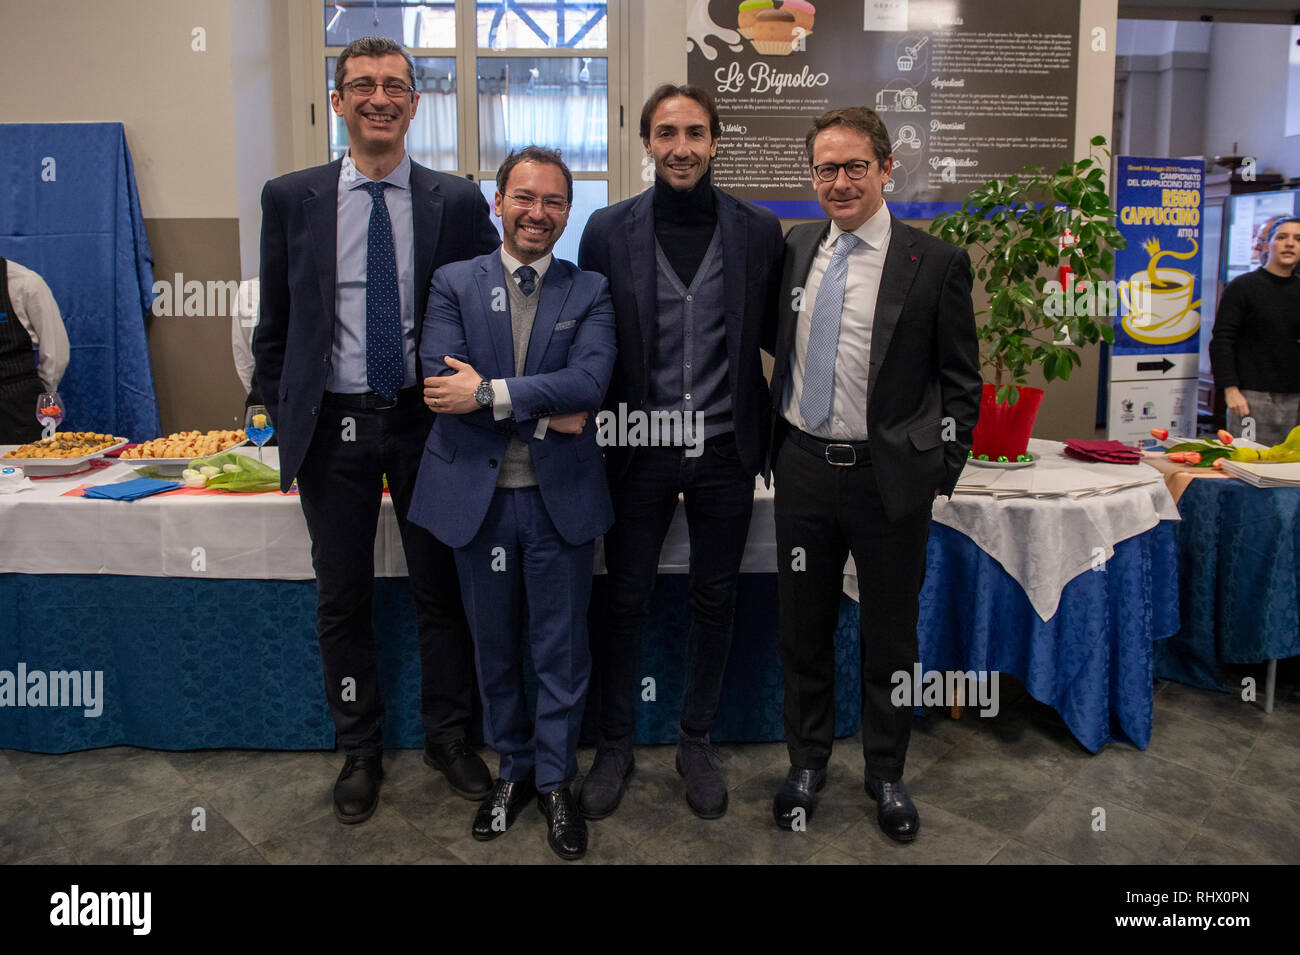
(527, 276)
(824, 337)
(385, 362)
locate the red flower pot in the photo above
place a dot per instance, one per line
(1004, 430)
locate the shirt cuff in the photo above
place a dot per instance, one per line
(501, 406)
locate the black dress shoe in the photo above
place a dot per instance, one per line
(797, 798)
(566, 829)
(894, 810)
(464, 768)
(500, 809)
(356, 794)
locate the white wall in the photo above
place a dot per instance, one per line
(1246, 96)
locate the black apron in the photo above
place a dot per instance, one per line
(19, 383)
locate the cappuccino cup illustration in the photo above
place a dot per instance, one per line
(1160, 312)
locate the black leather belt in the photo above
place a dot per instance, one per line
(369, 401)
(841, 454)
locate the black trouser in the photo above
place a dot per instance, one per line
(340, 485)
(18, 424)
(828, 511)
(719, 498)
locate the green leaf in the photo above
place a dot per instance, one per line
(1097, 141)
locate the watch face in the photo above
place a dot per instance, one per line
(483, 393)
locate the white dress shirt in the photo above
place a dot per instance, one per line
(38, 313)
(848, 420)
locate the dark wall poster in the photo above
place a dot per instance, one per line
(968, 89)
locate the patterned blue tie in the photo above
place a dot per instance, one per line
(385, 362)
(527, 276)
(824, 337)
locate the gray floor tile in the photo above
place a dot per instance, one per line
(1198, 744)
(211, 769)
(249, 856)
(829, 855)
(26, 833)
(944, 839)
(163, 837)
(1032, 734)
(61, 856)
(1212, 706)
(1154, 786)
(1264, 825)
(987, 786)
(1065, 829)
(1274, 764)
(730, 840)
(1016, 852)
(112, 793)
(273, 800)
(384, 839)
(428, 803)
(1206, 850)
(39, 770)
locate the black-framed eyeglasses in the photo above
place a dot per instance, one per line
(830, 171)
(392, 88)
(552, 204)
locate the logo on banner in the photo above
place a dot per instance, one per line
(1159, 299)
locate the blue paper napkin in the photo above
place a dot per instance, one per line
(131, 490)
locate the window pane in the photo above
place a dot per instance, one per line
(588, 196)
(432, 139)
(530, 24)
(561, 103)
(410, 22)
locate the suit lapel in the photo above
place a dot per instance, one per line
(901, 264)
(641, 253)
(491, 278)
(734, 268)
(426, 215)
(800, 253)
(555, 292)
(321, 208)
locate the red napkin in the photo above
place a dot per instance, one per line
(1110, 452)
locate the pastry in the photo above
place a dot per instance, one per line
(804, 13)
(749, 10)
(774, 32)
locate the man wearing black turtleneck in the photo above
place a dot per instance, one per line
(694, 274)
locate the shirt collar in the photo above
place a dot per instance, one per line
(874, 232)
(350, 177)
(540, 266)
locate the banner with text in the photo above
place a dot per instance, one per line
(1153, 364)
(969, 90)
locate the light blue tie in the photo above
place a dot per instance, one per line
(385, 360)
(824, 337)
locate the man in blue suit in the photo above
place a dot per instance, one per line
(521, 345)
(693, 273)
(348, 249)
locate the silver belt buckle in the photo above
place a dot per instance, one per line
(841, 464)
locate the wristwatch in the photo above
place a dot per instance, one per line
(483, 394)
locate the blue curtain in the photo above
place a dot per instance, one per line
(70, 211)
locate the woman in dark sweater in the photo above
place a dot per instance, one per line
(1255, 351)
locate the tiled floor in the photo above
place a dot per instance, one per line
(1216, 785)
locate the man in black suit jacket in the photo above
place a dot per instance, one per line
(876, 389)
(344, 285)
(693, 275)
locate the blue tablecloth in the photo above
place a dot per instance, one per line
(1239, 580)
(234, 663)
(69, 210)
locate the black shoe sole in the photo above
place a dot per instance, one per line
(702, 813)
(462, 793)
(359, 817)
(622, 790)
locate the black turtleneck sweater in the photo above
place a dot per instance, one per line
(684, 224)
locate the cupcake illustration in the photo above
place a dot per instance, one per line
(748, 13)
(774, 32)
(804, 14)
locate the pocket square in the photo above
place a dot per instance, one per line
(561, 326)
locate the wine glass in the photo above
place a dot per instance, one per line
(258, 427)
(49, 412)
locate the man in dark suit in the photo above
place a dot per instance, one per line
(343, 278)
(876, 386)
(521, 344)
(693, 275)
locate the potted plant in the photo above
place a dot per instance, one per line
(1014, 228)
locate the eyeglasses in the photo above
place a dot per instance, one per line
(550, 204)
(392, 88)
(830, 171)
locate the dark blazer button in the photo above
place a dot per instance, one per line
(492, 462)
(314, 410)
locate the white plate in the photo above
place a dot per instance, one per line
(1005, 465)
(54, 467)
(172, 467)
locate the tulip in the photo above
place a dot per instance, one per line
(1225, 437)
(1218, 464)
(1178, 457)
(1192, 457)
(1160, 434)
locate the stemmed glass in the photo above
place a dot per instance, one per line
(49, 412)
(258, 427)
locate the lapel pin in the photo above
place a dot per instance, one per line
(913, 258)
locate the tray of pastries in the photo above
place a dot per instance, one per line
(173, 453)
(67, 452)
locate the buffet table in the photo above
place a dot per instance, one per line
(198, 610)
